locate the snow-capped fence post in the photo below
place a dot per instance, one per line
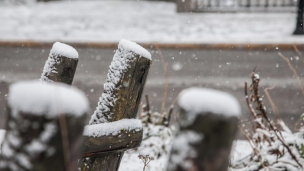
(112, 128)
(37, 138)
(61, 64)
(208, 125)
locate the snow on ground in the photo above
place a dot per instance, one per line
(143, 22)
(156, 143)
(241, 149)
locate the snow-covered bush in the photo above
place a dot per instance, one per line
(274, 145)
(157, 139)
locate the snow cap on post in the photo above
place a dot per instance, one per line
(198, 101)
(64, 50)
(38, 98)
(134, 47)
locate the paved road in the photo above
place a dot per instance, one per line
(225, 70)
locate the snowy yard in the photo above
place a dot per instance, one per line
(140, 21)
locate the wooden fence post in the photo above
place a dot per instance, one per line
(37, 138)
(61, 64)
(208, 125)
(120, 100)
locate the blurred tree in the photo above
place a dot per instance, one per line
(299, 26)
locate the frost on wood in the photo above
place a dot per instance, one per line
(183, 151)
(43, 98)
(112, 128)
(58, 51)
(197, 101)
(127, 74)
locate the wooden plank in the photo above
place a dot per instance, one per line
(124, 140)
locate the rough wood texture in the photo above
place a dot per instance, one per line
(127, 92)
(62, 69)
(213, 149)
(129, 96)
(124, 140)
(108, 161)
(36, 143)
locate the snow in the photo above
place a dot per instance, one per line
(123, 56)
(140, 21)
(199, 101)
(50, 99)
(65, 50)
(244, 158)
(241, 149)
(2, 134)
(134, 47)
(112, 128)
(157, 140)
(257, 76)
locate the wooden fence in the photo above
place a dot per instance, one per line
(203, 141)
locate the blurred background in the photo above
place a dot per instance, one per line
(205, 43)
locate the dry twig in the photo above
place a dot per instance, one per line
(294, 72)
(256, 98)
(165, 68)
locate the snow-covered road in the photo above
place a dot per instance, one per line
(140, 21)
